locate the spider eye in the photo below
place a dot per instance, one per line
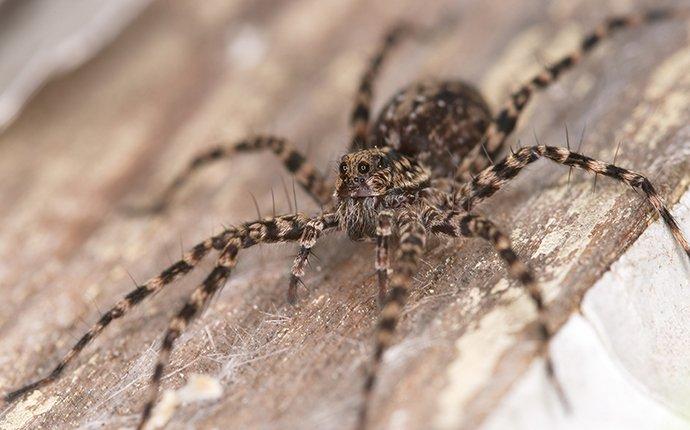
(363, 167)
(343, 168)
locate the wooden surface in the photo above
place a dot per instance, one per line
(184, 74)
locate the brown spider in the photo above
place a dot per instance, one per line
(420, 169)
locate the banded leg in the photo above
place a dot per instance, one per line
(305, 173)
(289, 228)
(490, 180)
(383, 232)
(505, 121)
(412, 243)
(313, 230)
(189, 260)
(197, 300)
(459, 224)
(361, 113)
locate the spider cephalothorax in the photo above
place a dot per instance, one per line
(371, 180)
(418, 171)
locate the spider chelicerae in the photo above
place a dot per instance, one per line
(418, 170)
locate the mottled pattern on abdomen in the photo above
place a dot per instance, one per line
(434, 122)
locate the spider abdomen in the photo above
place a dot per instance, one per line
(434, 122)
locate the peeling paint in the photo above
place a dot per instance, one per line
(478, 352)
(625, 363)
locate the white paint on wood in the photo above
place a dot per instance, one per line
(625, 362)
(478, 353)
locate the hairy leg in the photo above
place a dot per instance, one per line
(189, 260)
(226, 262)
(383, 232)
(505, 121)
(459, 224)
(288, 228)
(305, 173)
(313, 230)
(412, 243)
(490, 180)
(462, 224)
(361, 113)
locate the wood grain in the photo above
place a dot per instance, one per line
(117, 129)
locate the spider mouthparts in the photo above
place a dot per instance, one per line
(359, 191)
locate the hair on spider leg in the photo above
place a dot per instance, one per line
(294, 194)
(488, 156)
(256, 205)
(535, 136)
(555, 382)
(180, 242)
(273, 203)
(567, 142)
(287, 194)
(596, 175)
(131, 277)
(83, 322)
(95, 305)
(582, 137)
(313, 253)
(615, 155)
(569, 147)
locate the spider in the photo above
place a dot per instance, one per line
(418, 170)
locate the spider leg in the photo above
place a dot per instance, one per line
(288, 228)
(490, 180)
(305, 173)
(383, 232)
(199, 297)
(412, 242)
(359, 118)
(189, 260)
(458, 224)
(505, 121)
(312, 231)
(361, 112)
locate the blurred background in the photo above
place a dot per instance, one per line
(102, 102)
(39, 39)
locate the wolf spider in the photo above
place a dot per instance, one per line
(420, 169)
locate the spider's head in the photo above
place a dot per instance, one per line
(376, 172)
